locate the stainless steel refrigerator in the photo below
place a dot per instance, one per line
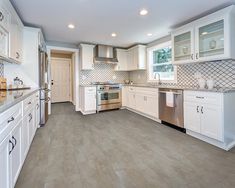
(43, 84)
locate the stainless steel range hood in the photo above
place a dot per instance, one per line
(105, 54)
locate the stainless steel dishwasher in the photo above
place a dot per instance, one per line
(173, 115)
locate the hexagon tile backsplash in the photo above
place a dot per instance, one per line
(222, 72)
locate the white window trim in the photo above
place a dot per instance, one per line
(149, 50)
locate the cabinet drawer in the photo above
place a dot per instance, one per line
(90, 90)
(28, 104)
(9, 119)
(204, 97)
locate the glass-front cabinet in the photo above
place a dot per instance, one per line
(183, 49)
(210, 38)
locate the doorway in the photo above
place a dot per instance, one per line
(61, 77)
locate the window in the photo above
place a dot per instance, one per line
(159, 62)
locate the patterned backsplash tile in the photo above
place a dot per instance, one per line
(103, 73)
(222, 72)
(1, 69)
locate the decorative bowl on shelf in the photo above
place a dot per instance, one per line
(185, 50)
(212, 44)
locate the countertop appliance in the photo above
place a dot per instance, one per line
(43, 84)
(172, 114)
(109, 96)
(105, 54)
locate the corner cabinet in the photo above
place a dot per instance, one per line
(86, 56)
(131, 59)
(207, 39)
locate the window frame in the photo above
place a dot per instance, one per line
(150, 64)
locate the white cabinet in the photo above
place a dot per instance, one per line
(207, 39)
(125, 96)
(87, 56)
(144, 100)
(88, 100)
(5, 17)
(203, 114)
(16, 40)
(24, 138)
(122, 55)
(16, 153)
(5, 147)
(136, 58)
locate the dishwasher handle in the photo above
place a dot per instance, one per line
(175, 93)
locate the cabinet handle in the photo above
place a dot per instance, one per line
(199, 97)
(12, 146)
(37, 106)
(30, 115)
(14, 140)
(10, 120)
(1, 16)
(17, 55)
(202, 110)
(196, 55)
(197, 109)
(29, 103)
(192, 56)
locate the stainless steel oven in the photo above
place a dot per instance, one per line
(109, 97)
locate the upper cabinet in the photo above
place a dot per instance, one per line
(11, 31)
(207, 39)
(87, 56)
(131, 59)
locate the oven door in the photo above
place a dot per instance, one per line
(108, 97)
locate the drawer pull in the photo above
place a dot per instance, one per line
(199, 97)
(202, 110)
(197, 109)
(30, 115)
(1, 16)
(14, 140)
(10, 120)
(29, 103)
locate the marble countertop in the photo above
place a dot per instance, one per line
(192, 88)
(10, 98)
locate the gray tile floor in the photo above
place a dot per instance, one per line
(120, 149)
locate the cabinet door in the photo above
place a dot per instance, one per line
(90, 101)
(211, 40)
(211, 121)
(151, 107)
(122, 60)
(192, 117)
(16, 153)
(5, 17)
(183, 46)
(24, 138)
(86, 54)
(5, 173)
(130, 60)
(31, 125)
(124, 96)
(131, 100)
(140, 102)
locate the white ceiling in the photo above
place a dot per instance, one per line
(95, 20)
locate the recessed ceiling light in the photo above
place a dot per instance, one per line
(143, 12)
(149, 34)
(113, 34)
(71, 26)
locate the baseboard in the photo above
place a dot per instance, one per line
(222, 145)
(142, 114)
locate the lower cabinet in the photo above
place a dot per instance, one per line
(203, 114)
(5, 174)
(88, 100)
(144, 100)
(16, 135)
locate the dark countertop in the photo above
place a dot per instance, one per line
(10, 98)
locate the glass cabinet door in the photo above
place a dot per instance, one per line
(211, 40)
(183, 47)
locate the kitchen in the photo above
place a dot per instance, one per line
(84, 104)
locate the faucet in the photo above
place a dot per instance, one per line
(159, 77)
